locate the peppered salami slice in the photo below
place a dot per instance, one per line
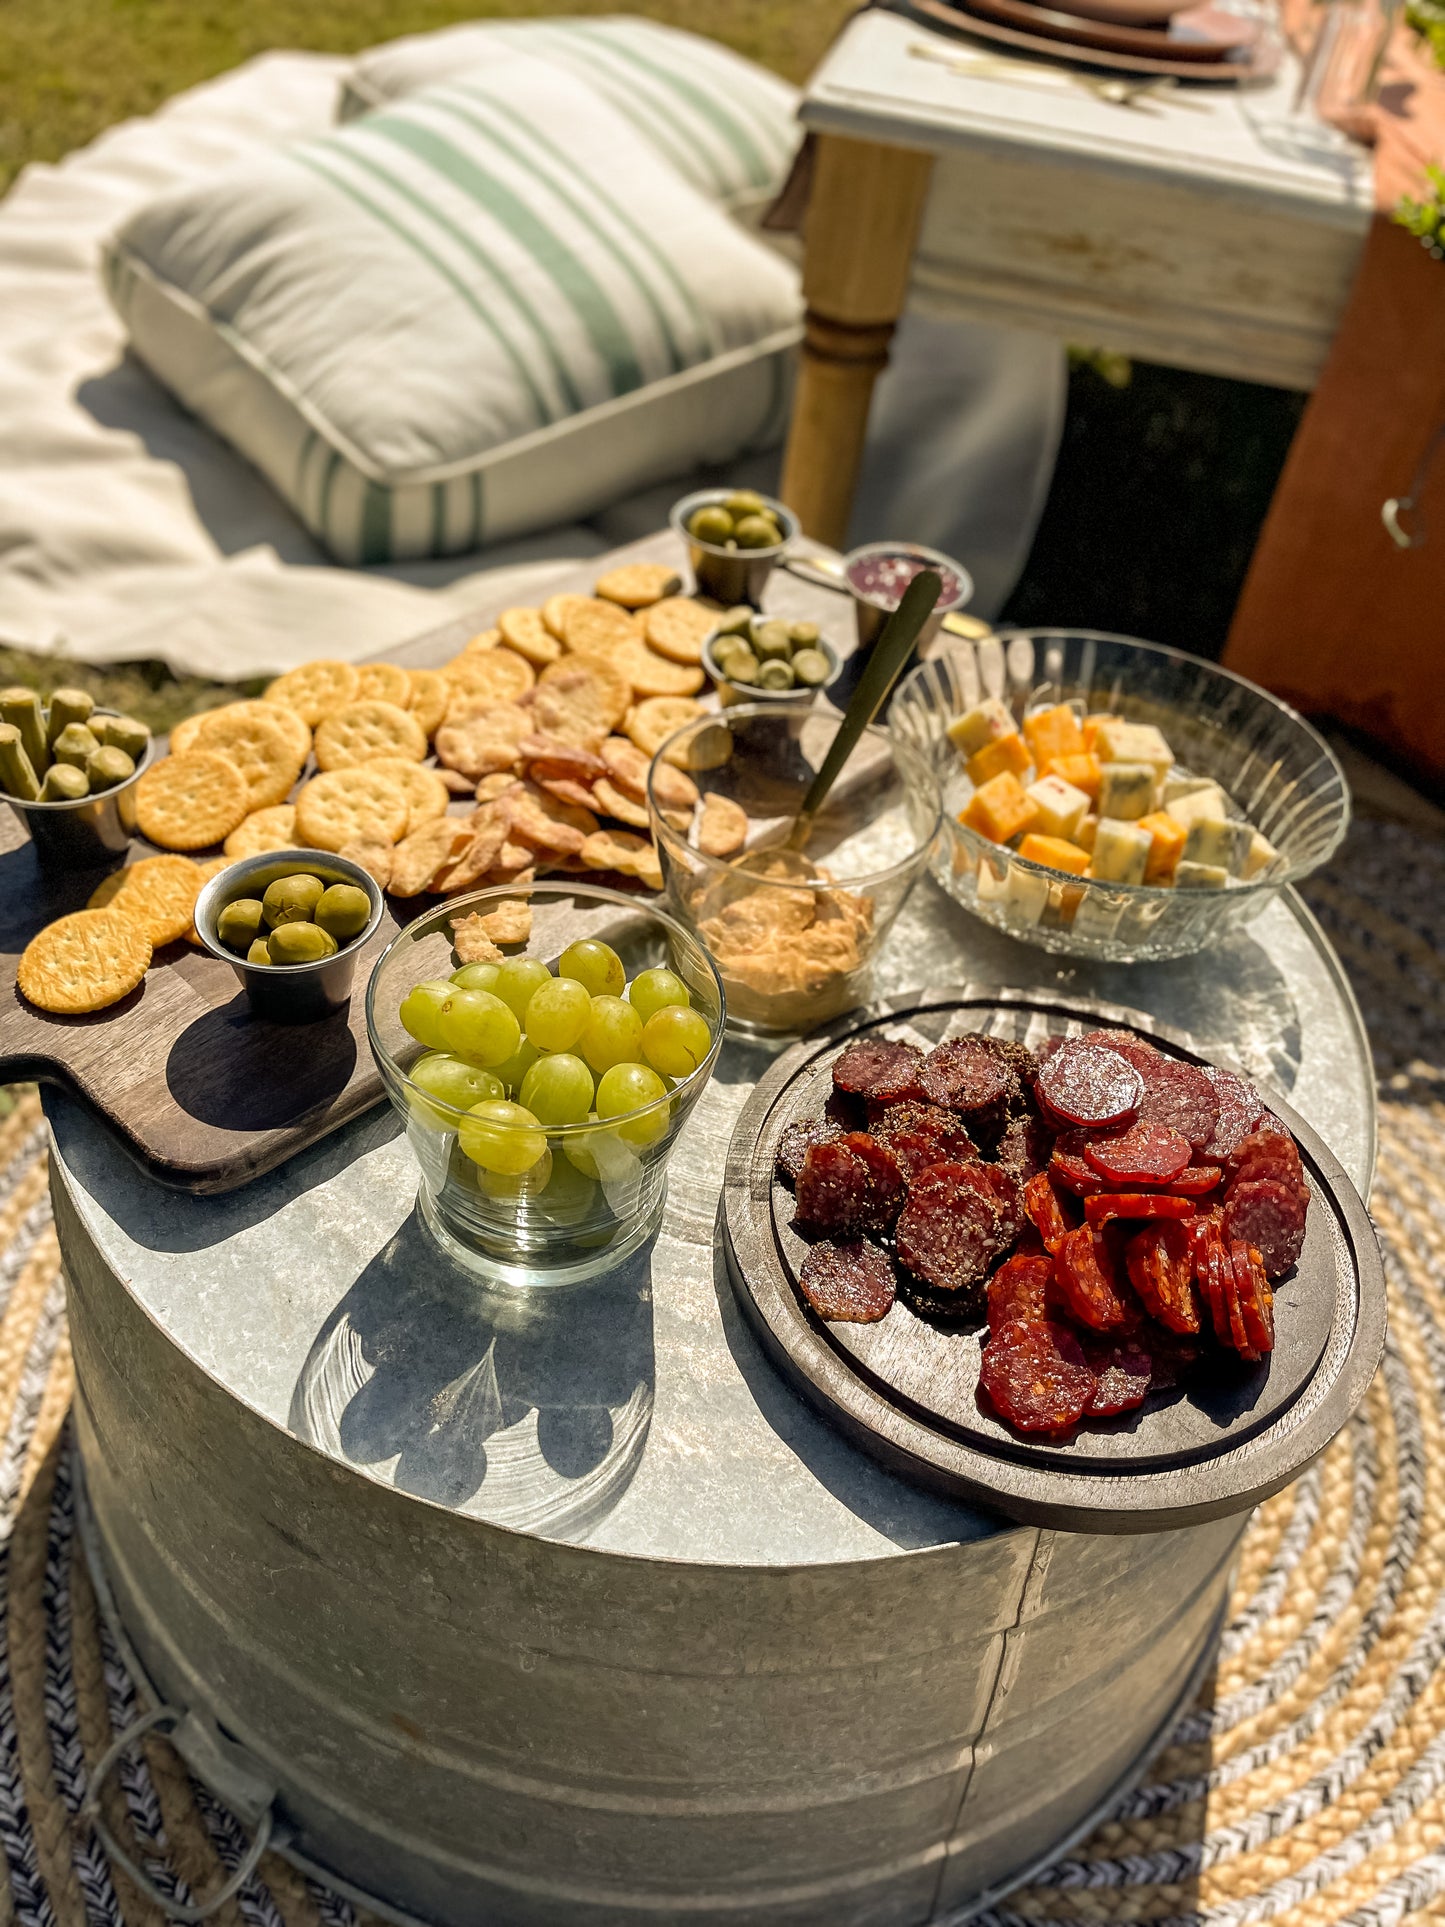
(1045, 1210)
(1239, 1108)
(1161, 1270)
(886, 1184)
(1267, 1154)
(1020, 1289)
(1089, 1085)
(793, 1144)
(832, 1189)
(924, 1134)
(1085, 1274)
(1123, 1371)
(1181, 1096)
(870, 1061)
(1144, 1154)
(1036, 1376)
(1025, 1147)
(965, 1074)
(1009, 1193)
(848, 1283)
(1270, 1215)
(1107, 1205)
(952, 1228)
(1256, 1300)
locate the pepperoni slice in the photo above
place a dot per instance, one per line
(1256, 1300)
(875, 1066)
(1036, 1376)
(1045, 1211)
(1136, 1204)
(1089, 1085)
(1020, 1289)
(952, 1228)
(1181, 1096)
(966, 1074)
(1161, 1270)
(1123, 1371)
(849, 1284)
(1197, 1182)
(1085, 1279)
(832, 1189)
(793, 1144)
(886, 1184)
(1144, 1154)
(1239, 1108)
(1069, 1167)
(1270, 1215)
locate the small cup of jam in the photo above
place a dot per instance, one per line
(878, 574)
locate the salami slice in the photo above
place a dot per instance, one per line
(1036, 1376)
(848, 1283)
(1135, 1049)
(886, 1185)
(967, 1075)
(924, 1134)
(1020, 1289)
(1069, 1167)
(952, 1228)
(1181, 1096)
(1256, 1300)
(1025, 1147)
(875, 1065)
(793, 1144)
(1144, 1154)
(1107, 1205)
(1268, 1154)
(835, 1190)
(1085, 1277)
(1123, 1371)
(1045, 1211)
(1197, 1182)
(1010, 1198)
(1088, 1084)
(1239, 1107)
(1270, 1215)
(1161, 1269)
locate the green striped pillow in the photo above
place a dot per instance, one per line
(483, 311)
(726, 125)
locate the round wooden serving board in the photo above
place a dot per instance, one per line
(906, 1389)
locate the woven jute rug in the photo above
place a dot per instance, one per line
(1307, 1783)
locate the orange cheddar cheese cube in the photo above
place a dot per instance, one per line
(1091, 726)
(1053, 732)
(1004, 754)
(999, 808)
(1166, 845)
(1081, 770)
(1056, 854)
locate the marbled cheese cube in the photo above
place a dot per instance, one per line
(1176, 784)
(1199, 876)
(1218, 843)
(1261, 856)
(1061, 807)
(984, 723)
(1087, 831)
(1121, 742)
(1126, 790)
(1197, 805)
(1121, 851)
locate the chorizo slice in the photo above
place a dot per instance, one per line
(1086, 1281)
(1036, 1376)
(1161, 1269)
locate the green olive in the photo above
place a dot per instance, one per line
(712, 524)
(757, 532)
(775, 675)
(292, 899)
(259, 953)
(746, 501)
(804, 634)
(812, 667)
(343, 911)
(107, 767)
(296, 943)
(239, 924)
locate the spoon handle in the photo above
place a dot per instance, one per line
(890, 653)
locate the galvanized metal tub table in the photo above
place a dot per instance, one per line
(567, 1609)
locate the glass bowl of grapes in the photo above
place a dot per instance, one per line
(544, 1045)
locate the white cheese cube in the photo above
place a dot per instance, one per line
(1126, 790)
(1062, 807)
(1021, 892)
(1176, 784)
(1218, 843)
(1088, 829)
(1197, 805)
(1261, 856)
(1121, 742)
(1199, 876)
(1121, 851)
(1098, 917)
(984, 723)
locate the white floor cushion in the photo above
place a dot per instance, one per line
(723, 123)
(485, 310)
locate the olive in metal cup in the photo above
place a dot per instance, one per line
(288, 993)
(85, 832)
(731, 575)
(873, 611)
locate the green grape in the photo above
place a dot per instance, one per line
(518, 979)
(478, 1026)
(558, 1089)
(581, 1150)
(502, 1137)
(421, 1008)
(627, 1088)
(571, 1196)
(482, 976)
(676, 1041)
(654, 990)
(557, 1014)
(453, 1082)
(595, 965)
(517, 1066)
(516, 1185)
(601, 1153)
(613, 1034)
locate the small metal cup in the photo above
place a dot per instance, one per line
(92, 832)
(288, 993)
(745, 692)
(731, 575)
(872, 615)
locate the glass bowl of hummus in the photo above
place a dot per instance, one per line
(793, 933)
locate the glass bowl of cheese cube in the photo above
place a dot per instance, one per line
(1115, 799)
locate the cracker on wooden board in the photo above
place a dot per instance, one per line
(341, 805)
(423, 852)
(372, 854)
(427, 698)
(188, 734)
(190, 802)
(634, 856)
(650, 723)
(260, 749)
(84, 962)
(597, 628)
(612, 801)
(500, 674)
(427, 796)
(487, 829)
(677, 628)
(315, 689)
(636, 585)
(484, 744)
(271, 829)
(483, 639)
(383, 682)
(555, 611)
(364, 731)
(159, 892)
(539, 819)
(525, 631)
(580, 700)
(722, 828)
(652, 675)
(210, 866)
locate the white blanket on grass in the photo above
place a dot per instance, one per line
(128, 530)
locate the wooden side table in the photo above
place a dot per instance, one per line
(1190, 227)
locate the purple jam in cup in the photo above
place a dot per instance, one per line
(882, 577)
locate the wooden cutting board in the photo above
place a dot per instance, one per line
(203, 1095)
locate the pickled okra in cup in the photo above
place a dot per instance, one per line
(65, 751)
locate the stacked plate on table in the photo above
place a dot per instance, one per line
(1190, 42)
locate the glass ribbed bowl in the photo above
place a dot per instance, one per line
(1278, 773)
